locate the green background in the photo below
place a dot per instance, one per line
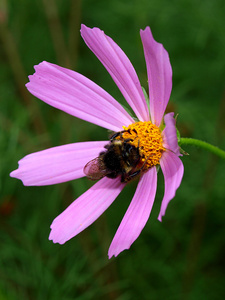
(180, 258)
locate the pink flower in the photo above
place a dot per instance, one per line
(82, 98)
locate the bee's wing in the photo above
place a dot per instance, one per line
(94, 169)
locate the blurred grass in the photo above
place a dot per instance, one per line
(180, 258)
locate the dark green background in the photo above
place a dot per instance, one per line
(180, 258)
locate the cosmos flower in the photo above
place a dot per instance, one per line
(157, 139)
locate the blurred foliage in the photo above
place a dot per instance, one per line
(180, 258)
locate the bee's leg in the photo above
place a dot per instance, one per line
(138, 148)
(128, 140)
(115, 135)
(131, 176)
(120, 133)
(138, 145)
(137, 172)
(129, 130)
(107, 146)
(123, 178)
(112, 175)
(102, 152)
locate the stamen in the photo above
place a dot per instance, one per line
(147, 137)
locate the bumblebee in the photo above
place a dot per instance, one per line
(121, 158)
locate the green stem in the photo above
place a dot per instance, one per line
(204, 145)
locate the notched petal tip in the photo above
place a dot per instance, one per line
(37, 69)
(53, 236)
(146, 30)
(13, 174)
(115, 254)
(18, 175)
(84, 27)
(111, 254)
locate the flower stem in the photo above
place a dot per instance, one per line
(204, 145)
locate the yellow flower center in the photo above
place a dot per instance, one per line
(147, 137)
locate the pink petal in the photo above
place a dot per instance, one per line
(58, 164)
(85, 210)
(170, 134)
(77, 95)
(173, 170)
(159, 75)
(137, 214)
(119, 67)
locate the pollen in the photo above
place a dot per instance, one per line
(148, 139)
